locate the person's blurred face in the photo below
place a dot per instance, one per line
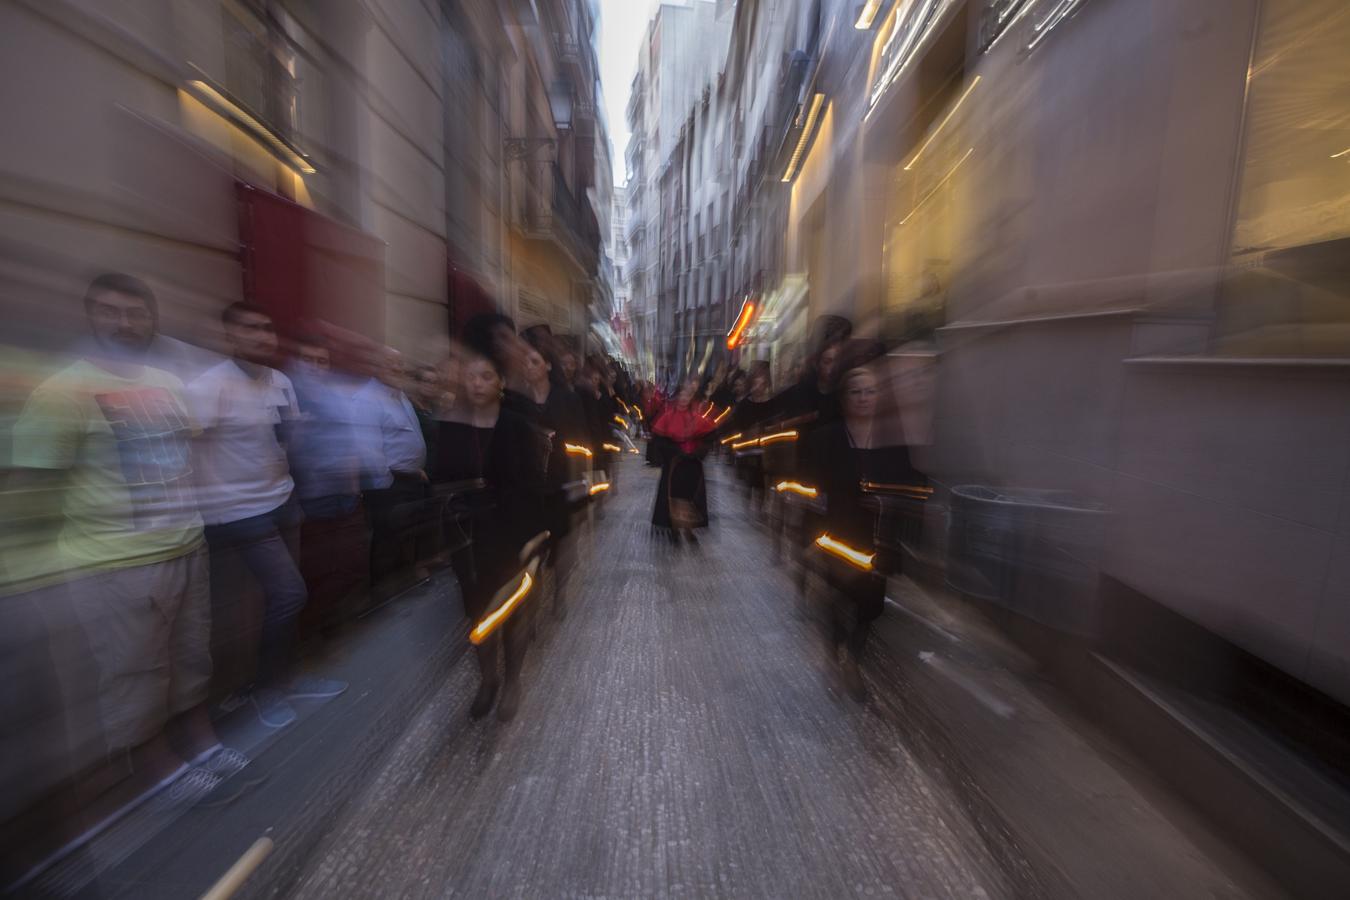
(482, 384)
(759, 383)
(829, 358)
(314, 356)
(428, 384)
(569, 367)
(535, 368)
(686, 394)
(860, 395)
(253, 337)
(121, 322)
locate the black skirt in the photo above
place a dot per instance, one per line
(682, 486)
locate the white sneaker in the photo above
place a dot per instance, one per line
(226, 762)
(273, 710)
(311, 687)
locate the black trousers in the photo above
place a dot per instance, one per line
(400, 517)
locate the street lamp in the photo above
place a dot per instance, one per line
(560, 104)
(560, 107)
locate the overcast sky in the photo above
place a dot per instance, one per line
(622, 25)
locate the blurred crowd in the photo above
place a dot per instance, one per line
(824, 463)
(185, 542)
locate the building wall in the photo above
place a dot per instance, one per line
(680, 57)
(119, 162)
(1067, 225)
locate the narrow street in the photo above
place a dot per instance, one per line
(681, 736)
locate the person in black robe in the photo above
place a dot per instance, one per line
(534, 393)
(838, 460)
(490, 462)
(681, 435)
(596, 404)
(747, 419)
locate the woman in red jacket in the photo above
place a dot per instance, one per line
(680, 438)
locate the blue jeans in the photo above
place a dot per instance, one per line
(268, 546)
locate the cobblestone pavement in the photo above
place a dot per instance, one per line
(682, 735)
(679, 736)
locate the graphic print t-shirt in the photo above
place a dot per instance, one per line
(126, 445)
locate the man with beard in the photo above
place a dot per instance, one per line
(106, 441)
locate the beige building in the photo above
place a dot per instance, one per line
(311, 157)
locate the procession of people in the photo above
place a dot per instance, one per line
(823, 464)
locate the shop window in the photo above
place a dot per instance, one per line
(1288, 287)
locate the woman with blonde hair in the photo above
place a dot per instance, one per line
(845, 461)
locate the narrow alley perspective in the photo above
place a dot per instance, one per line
(675, 448)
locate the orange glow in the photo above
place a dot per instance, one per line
(722, 415)
(780, 436)
(634, 451)
(638, 412)
(866, 13)
(599, 487)
(796, 488)
(277, 147)
(612, 448)
(814, 111)
(624, 405)
(912, 489)
(483, 629)
(845, 552)
(742, 322)
(753, 442)
(735, 437)
(578, 450)
(621, 422)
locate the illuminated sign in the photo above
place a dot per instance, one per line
(910, 23)
(1000, 16)
(742, 322)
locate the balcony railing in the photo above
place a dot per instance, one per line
(551, 212)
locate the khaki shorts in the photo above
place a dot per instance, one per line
(149, 632)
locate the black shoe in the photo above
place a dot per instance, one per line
(852, 678)
(482, 701)
(506, 710)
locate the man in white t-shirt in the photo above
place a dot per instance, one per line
(244, 490)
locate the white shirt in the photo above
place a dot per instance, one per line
(394, 435)
(239, 462)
